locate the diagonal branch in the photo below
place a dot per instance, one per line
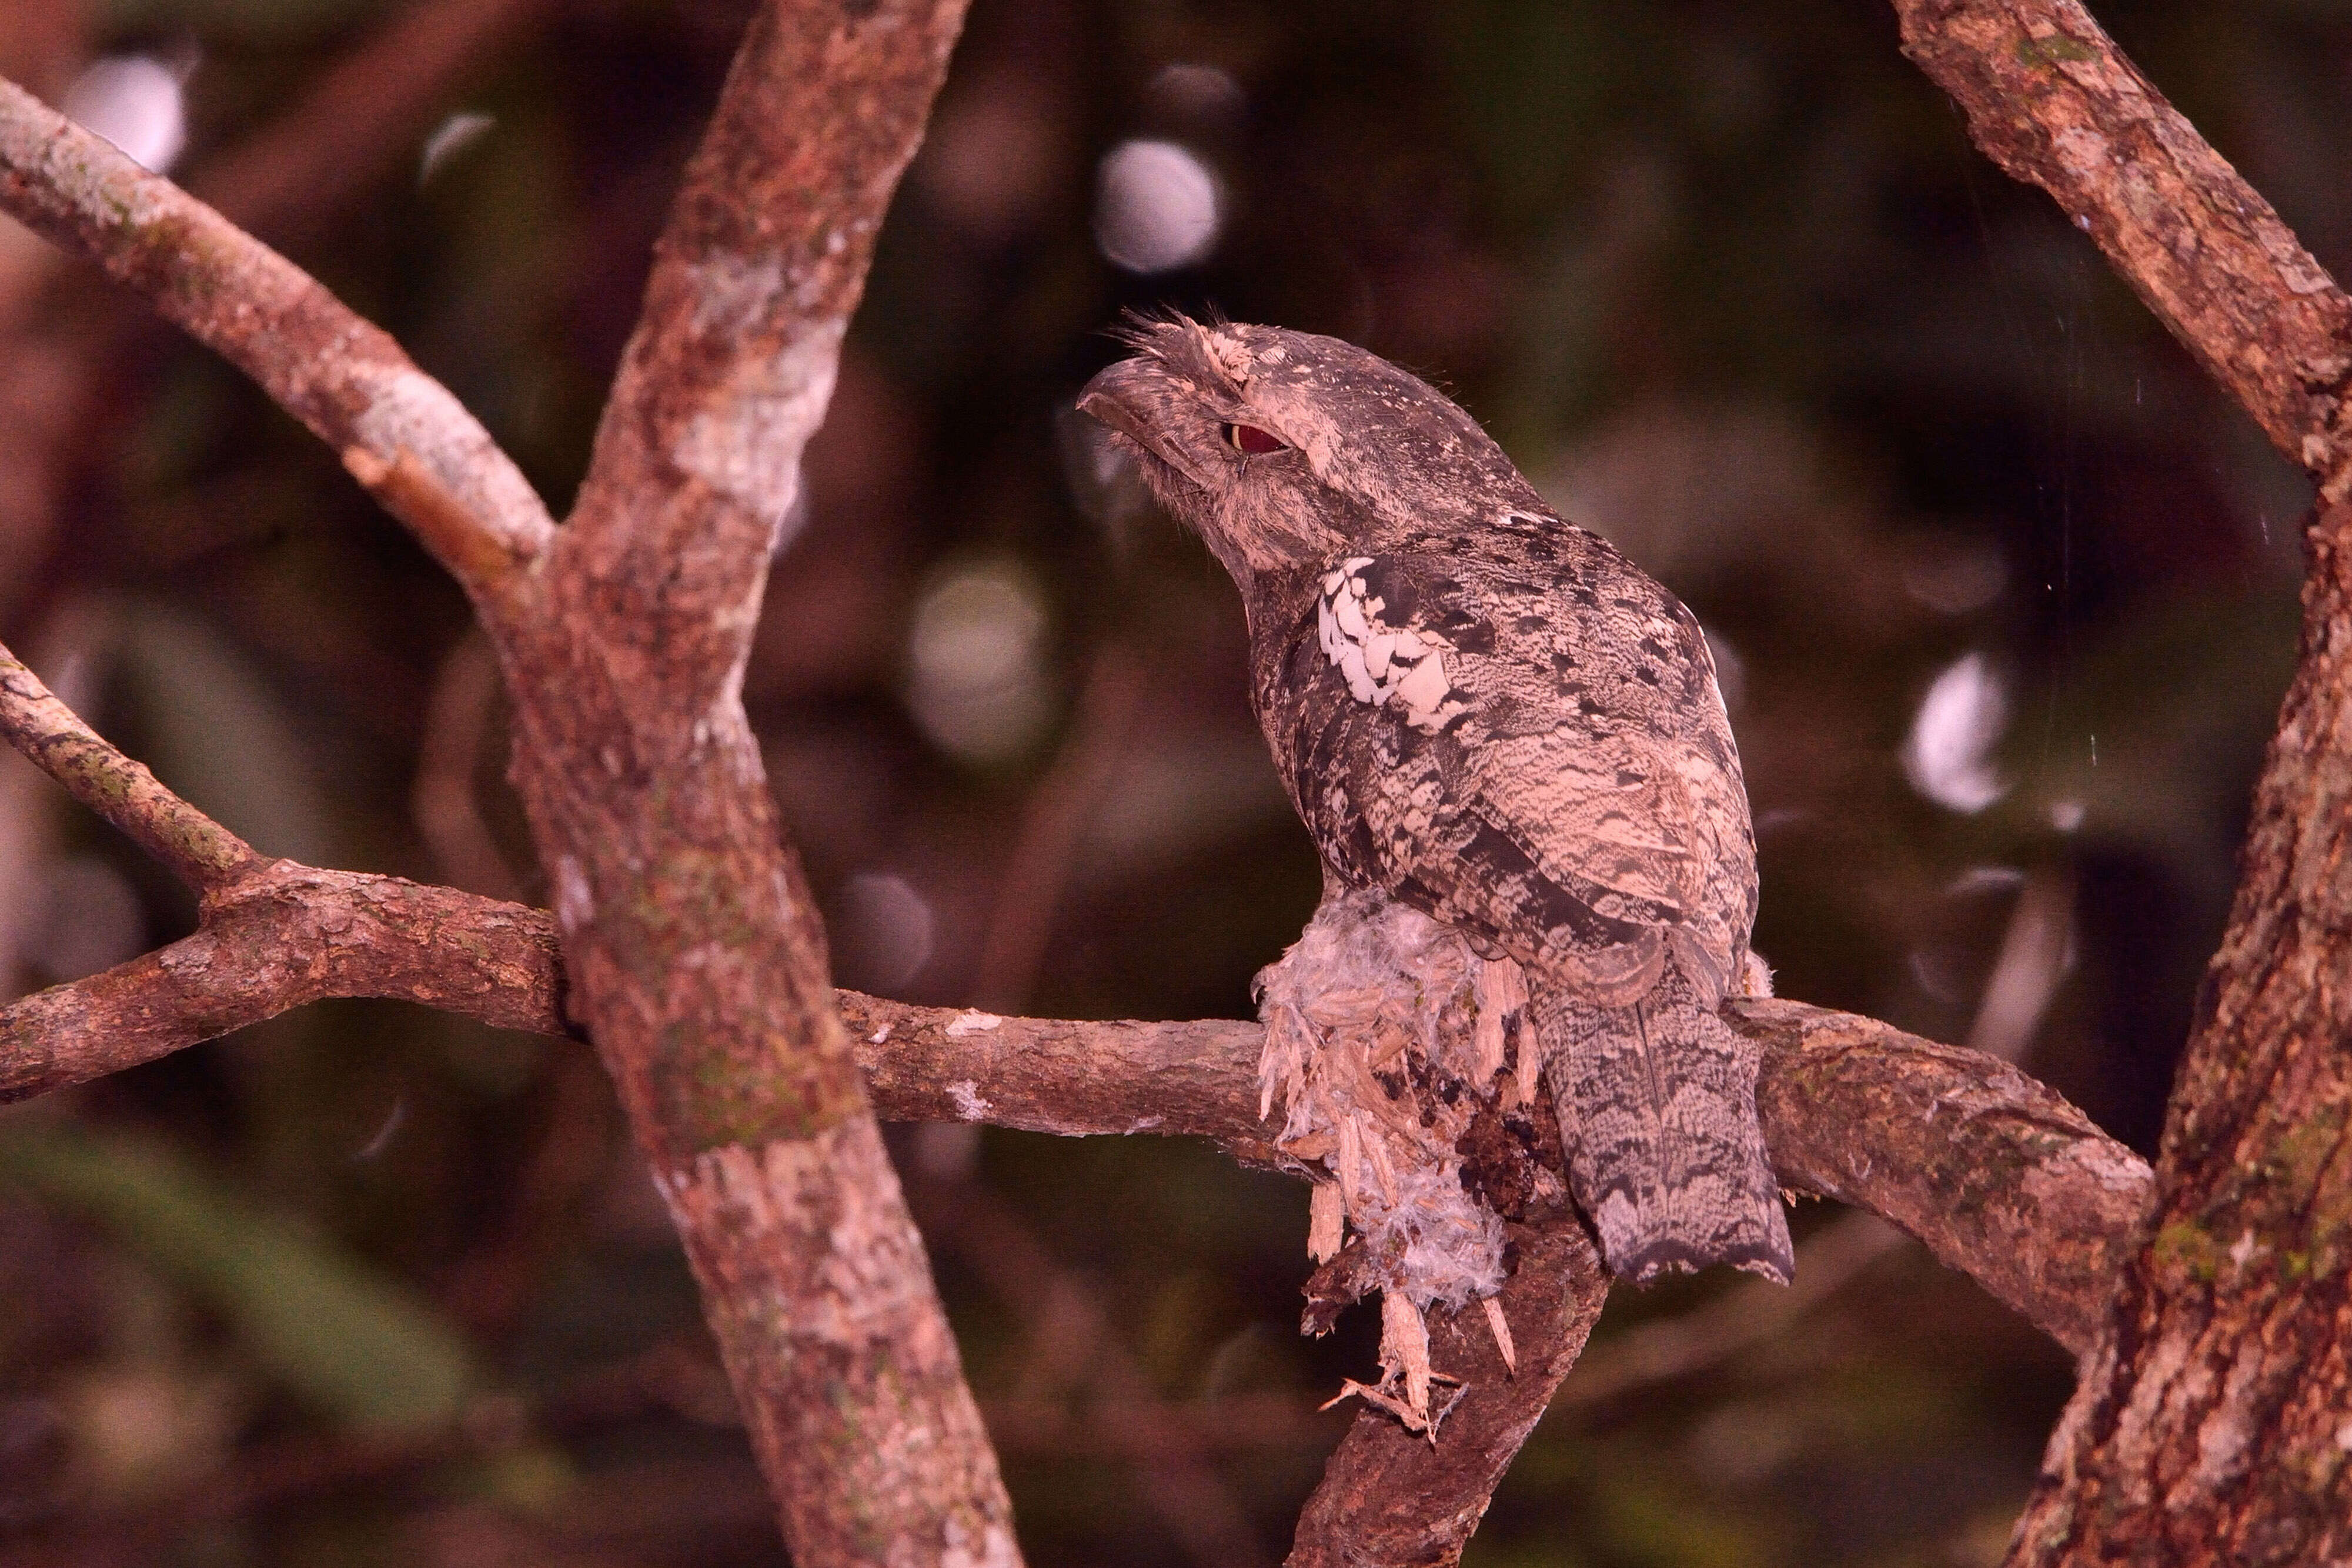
(1994, 1171)
(273, 933)
(2207, 1426)
(293, 176)
(199, 851)
(1392, 1496)
(697, 958)
(343, 377)
(699, 961)
(2052, 100)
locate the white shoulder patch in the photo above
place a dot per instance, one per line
(1377, 661)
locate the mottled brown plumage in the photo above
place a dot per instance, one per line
(1500, 721)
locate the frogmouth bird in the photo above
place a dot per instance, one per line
(1494, 718)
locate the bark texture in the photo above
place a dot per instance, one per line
(1996, 1172)
(283, 936)
(2052, 100)
(1393, 1495)
(695, 957)
(2210, 1425)
(197, 850)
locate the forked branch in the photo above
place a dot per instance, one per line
(273, 933)
(2207, 1426)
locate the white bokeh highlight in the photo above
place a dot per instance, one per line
(1948, 755)
(1156, 206)
(135, 102)
(449, 139)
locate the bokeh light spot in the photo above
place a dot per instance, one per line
(135, 102)
(1947, 758)
(451, 137)
(1156, 207)
(888, 931)
(976, 679)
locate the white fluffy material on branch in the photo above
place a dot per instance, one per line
(1385, 1035)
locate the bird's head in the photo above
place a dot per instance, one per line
(1286, 449)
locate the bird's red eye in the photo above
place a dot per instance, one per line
(1252, 442)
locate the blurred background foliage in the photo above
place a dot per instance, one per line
(2003, 595)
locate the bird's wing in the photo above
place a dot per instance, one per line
(1521, 735)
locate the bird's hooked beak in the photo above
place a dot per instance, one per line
(1124, 397)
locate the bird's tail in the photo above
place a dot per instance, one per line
(1658, 1111)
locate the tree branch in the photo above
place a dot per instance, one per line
(197, 850)
(280, 936)
(1996, 1172)
(1393, 1495)
(2003, 1179)
(340, 376)
(2207, 1426)
(1195, 1079)
(2052, 100)
(697, 954)
(273, 933)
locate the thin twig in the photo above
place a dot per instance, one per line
(344, 379)
(52, 736)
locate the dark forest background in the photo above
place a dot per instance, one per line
(2002, 592)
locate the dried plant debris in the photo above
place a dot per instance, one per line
(1407, 1087)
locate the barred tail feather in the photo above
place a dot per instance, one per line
(1657, 1109)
